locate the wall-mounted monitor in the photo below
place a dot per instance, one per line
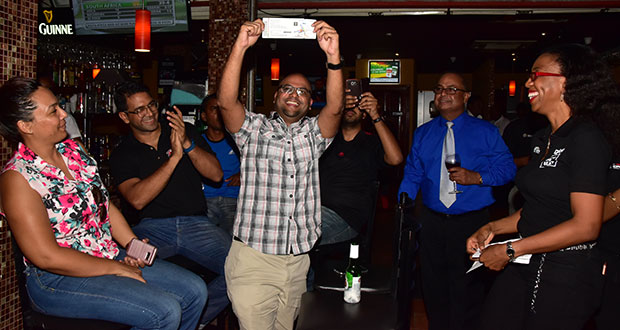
(384, 71)
(119, 16)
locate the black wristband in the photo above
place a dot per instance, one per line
(378, 119)
(334, 66)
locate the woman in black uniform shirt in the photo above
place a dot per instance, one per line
(564, 188)
(607, 317)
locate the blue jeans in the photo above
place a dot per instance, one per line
(334, 229)
(198, 239)
(173, 298)
(221, 211)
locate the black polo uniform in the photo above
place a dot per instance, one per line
(183, 195)
(560, 289)
(608, 317)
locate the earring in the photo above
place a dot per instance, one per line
(562, 97)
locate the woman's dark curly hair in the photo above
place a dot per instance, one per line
(17, 104)
(590, 91)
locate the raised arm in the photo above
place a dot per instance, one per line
(30, 225)
(393, 155)
(329, 118)
(233, 112)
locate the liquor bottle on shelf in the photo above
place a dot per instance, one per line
(353, 277)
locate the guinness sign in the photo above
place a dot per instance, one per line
(56, 22)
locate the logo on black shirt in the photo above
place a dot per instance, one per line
(553, 160)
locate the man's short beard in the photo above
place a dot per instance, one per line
(352, 123)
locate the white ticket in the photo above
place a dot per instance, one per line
(522, 259)
(288, 28)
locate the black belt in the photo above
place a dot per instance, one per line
(449, 216)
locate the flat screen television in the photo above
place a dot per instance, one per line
(384, 71)
(119, 16)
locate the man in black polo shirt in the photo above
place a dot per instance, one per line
(348, 168)
(158, 170)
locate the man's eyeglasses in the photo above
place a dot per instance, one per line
(140, 111)
(288, 89)
(535, 75)
(448, 90)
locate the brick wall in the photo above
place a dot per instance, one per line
(18, 39)
(226, 17)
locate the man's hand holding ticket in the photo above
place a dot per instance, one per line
(288, 28)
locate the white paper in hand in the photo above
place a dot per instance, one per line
(288, 28)
(524, 259)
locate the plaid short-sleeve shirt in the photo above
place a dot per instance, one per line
(279, 206)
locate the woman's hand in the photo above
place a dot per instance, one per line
(130, 271)
(133, 261)
(494, 257)
(480, 239)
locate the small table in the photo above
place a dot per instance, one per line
(326, 310)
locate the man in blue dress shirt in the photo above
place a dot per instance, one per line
(451, 297)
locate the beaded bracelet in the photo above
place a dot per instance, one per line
(611, 196)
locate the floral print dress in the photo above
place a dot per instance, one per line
(78, 208)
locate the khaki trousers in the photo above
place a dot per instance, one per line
(265, 290)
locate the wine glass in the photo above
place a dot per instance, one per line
(453, 160)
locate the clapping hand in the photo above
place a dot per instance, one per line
(178, 138)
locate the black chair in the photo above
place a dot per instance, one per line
(34, 320)
(326, 309)
(327, 259)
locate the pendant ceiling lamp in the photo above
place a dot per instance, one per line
(142, 41)
(512, 88)
(275, 69)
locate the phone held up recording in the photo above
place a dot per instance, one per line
(356, 87)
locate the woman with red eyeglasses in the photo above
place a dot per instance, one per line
(564, 187)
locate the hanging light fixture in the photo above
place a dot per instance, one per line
(142, 41)
(96, 71)
(512, 88)
(275, 69)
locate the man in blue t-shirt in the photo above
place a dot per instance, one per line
(221, 196)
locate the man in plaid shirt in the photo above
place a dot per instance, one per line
(279, 211)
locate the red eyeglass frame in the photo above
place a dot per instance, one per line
(535, 75)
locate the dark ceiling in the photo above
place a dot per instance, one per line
(437, 43)
(462, 43)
